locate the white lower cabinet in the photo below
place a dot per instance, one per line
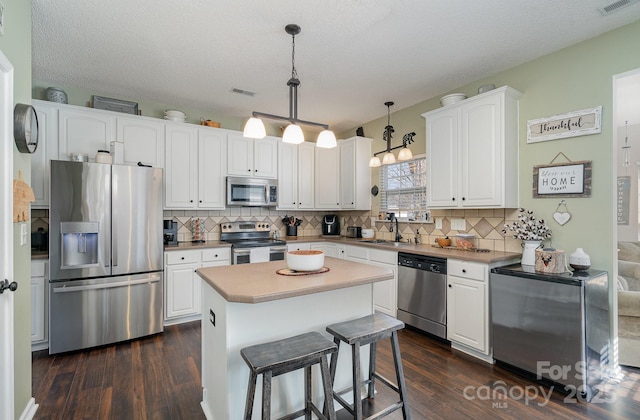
(298, 247)
(183, 285)
(384, 292)
(468, 306)
(39, 318)
(329, 249)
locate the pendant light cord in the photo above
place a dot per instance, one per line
(294, 72)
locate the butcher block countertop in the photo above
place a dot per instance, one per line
(256, 283)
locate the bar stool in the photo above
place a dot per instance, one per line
(360, 332)
(282, 356)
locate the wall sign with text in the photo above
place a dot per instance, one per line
(578, 123)
(562, 180)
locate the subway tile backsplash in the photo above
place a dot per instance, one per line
(486, 224)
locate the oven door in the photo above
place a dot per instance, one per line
(244, 255)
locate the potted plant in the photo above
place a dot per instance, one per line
(531, 231)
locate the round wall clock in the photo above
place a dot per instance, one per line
(25, 128)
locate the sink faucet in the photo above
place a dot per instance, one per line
(398, 236)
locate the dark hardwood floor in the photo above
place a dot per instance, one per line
(158, 377)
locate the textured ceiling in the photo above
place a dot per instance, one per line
(351, 56)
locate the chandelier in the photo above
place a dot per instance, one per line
(254, 128)
(389, 158)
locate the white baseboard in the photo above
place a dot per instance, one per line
(30, 410)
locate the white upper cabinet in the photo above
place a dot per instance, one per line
(355, 175)
(327, 175)
(295, 176)
(84, 131)
(472, 152)
(143, 141)
(252, 157)
(194, 167)
(47, 149)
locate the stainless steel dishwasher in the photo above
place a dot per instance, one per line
(422, 293)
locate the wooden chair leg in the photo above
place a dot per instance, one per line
(307, 393)
(372, 369)
(266, 395)
(248, 409)
(357, 390)
(327, 384)
(400, 375)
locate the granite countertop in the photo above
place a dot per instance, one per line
(256, 283)
(185, 246)
(420, 249)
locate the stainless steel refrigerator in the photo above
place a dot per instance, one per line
(105, 254)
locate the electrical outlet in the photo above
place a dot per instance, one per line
(458, 224)
(439, 223)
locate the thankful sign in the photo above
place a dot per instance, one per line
(578, 123)
(562, 180)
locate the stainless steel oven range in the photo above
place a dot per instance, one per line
(251, 242)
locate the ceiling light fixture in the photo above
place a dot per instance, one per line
(254, 128)
(389, 158)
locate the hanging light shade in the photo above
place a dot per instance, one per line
(405, 154)
(254, 128)
(326, 139)
(374, 162)
(293, 132)
(389, 158)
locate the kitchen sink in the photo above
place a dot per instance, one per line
(384, 241)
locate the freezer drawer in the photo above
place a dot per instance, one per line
(89, 313)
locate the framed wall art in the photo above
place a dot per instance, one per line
(572, 179)
(572, 124)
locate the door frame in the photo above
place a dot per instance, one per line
(7, 396)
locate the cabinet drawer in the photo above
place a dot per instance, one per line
(467, 269)
(37, 268)
(358, 252)
(387, 257)
(182, 257)
(216, 254)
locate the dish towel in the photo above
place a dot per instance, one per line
(259, 254)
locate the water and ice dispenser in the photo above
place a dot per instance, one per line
(79, 244)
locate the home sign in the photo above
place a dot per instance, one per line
(562, 180)
(578, 123)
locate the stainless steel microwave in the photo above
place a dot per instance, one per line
(251, 191)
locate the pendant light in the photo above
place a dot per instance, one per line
(254, 128)
(388, 158)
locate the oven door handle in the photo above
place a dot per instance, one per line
(277, 249)
(242, 251)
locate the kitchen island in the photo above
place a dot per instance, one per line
(249, 304)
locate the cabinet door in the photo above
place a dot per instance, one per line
(481, 154)
(143, 141)
(298, 247)
(212, 169)
(327, 185)
(306, 175)
(82, 131)
(385, 292)
(182, 291)
(47, 149)
(347, 174)
(239, 155)
(442, 155)
(181, 167)
(329, 249)
(467, 318)
(265, 163)
(287, 176)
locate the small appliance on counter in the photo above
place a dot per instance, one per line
(40, 240)
(354, 232)
(330, 225)
(170, 232)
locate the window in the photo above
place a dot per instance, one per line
(404, 188)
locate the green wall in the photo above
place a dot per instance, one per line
(571, 79)
(16, 45)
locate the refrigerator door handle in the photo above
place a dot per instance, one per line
(67, 289)
(114, 220)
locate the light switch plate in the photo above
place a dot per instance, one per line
(23, 234)
(458, 224)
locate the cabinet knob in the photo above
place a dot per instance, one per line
(216, 255)
(249, 170)
(200, 201)
(450, 286)
(182, 258)
(453, 199)
(191, 201)
(463, 198)
(464, 271)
